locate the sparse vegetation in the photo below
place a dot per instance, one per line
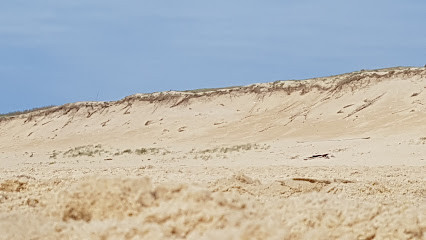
(203, 157)
(128, 151)
(97, 150)
(54, 154)
(201, 90)
(143, 151)
(221, 152)
(420, 141)
(11, 114)
(236, 148)
(88, 150)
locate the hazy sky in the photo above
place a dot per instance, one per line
(56, 51)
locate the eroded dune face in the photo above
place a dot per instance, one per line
(341, 157)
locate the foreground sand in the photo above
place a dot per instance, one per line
(342, 157)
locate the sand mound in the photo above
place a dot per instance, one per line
(101, 199)
(319, 216)
(177, 209)
(134, 208)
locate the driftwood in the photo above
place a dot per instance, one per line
(312, 180)
(326, 156)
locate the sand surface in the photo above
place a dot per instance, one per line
(341, 157)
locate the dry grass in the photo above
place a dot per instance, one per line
(152, 151)
(98, 150)
(221, 152)
(203, 90)
(88, 151)
(54, 154)
(16, 113)
(236, 148)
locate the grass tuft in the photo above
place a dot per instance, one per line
(16, 113)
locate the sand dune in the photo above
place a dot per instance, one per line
(340, 157)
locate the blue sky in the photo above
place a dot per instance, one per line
(56, 51)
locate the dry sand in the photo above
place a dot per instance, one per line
(342, 157)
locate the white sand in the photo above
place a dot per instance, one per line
(225, 164)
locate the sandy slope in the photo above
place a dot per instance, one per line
(341, 157)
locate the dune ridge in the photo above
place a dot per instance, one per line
(339, 157)
(332, 84)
